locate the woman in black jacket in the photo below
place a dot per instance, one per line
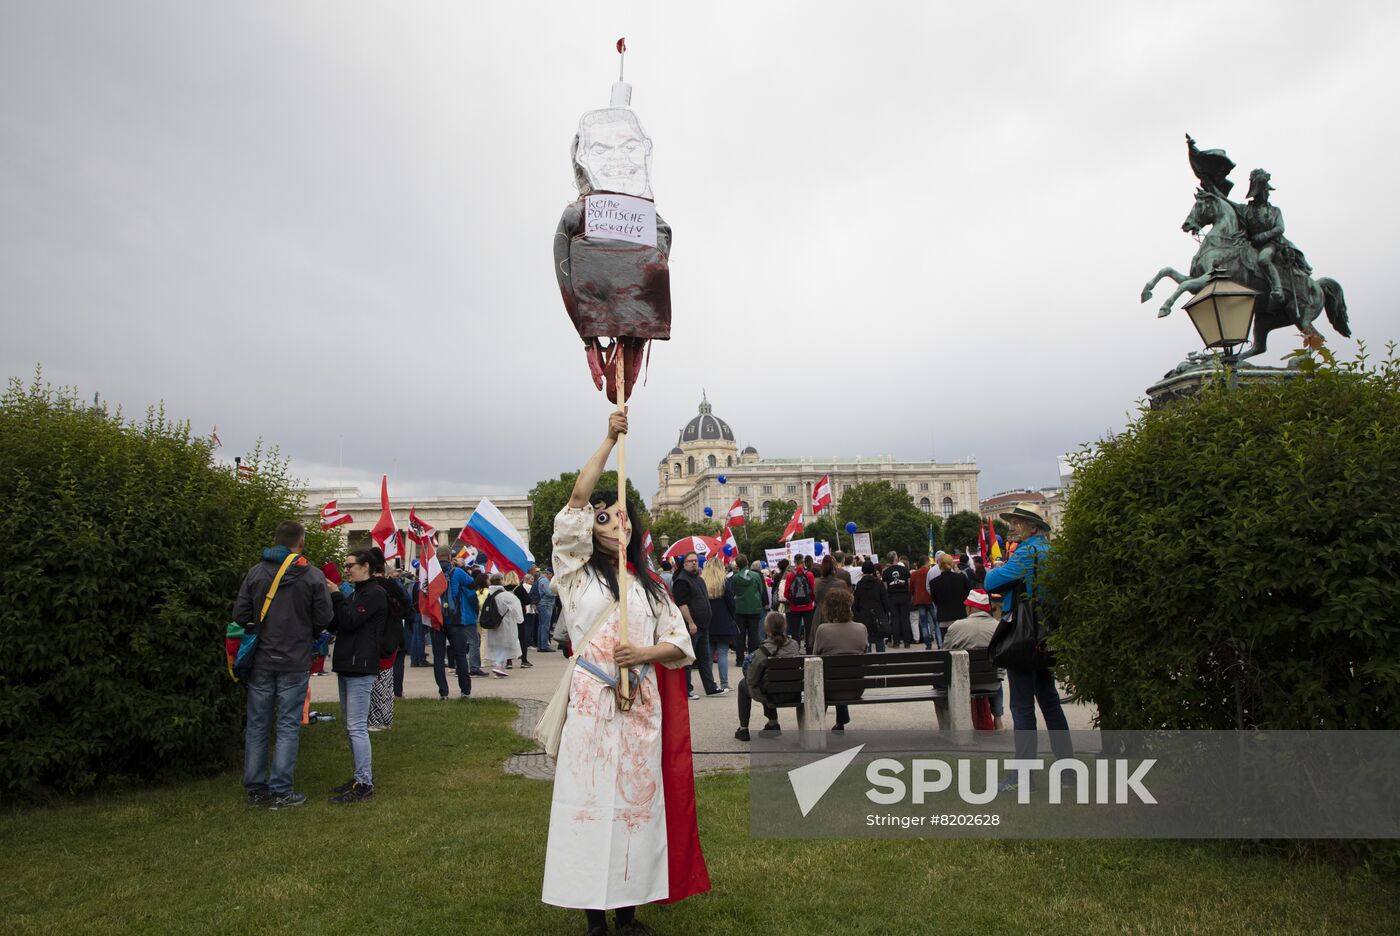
(948, 591)
(359, 625)
(872, 606)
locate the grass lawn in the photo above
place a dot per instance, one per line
(453, 845)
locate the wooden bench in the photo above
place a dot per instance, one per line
(947, 678)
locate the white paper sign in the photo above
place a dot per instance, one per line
(861, 544)
(619, 217)
(802, 547)
(774, 555)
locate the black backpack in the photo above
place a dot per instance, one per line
(449, 608)
(801, 591)
(491, 615)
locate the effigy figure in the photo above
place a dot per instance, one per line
(611, 248)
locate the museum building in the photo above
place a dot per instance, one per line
(688, 478)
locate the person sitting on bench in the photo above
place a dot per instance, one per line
(753, 687)
(839, 635)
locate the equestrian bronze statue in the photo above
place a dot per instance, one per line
(1245, 243)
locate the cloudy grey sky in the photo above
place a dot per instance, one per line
(901, 227)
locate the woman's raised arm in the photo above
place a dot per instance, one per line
(592, 469)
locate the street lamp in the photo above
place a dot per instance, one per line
(1223, 312)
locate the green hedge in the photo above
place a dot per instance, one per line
(121, 550)
(1233, 561)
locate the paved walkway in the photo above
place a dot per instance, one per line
(712, 719)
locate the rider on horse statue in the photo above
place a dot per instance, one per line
(1245, 243)
(1263, 223)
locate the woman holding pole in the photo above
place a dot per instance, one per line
(622, 822)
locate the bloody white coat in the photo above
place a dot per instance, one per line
(607, 826)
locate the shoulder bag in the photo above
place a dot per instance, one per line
(1019, 640)
(240, 662)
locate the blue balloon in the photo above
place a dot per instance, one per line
(709, 511)
(415, 563)
(817, 550)
(723, 480)
(851, 526)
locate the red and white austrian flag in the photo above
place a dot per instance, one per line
(420, 531)
(736, 513)
(331, 517)
(794, 526)
(821, 494)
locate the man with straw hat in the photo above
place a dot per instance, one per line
(1034, 684)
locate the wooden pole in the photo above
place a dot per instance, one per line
(624, 693)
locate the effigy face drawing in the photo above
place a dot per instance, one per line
(613, 153)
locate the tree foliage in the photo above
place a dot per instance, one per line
(824, 528)
(961, 530)
(1230, 562)
(892, 518)
(122, 546)
(549, 496)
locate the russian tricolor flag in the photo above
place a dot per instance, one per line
(491, 533)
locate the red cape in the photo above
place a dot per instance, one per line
(688, 874)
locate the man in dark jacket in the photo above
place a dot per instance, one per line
(688, 590)
(896, 576)
(300, 609)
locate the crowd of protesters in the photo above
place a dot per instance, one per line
(371, 628)
(369, 624)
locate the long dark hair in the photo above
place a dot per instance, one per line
(605, 566)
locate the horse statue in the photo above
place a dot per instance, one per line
(1226, 250)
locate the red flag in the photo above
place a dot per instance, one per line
(217, 443)
(331, 517)
(736, 513)
(621, 46)
(728, 546)
(793, 528)
(646, 543)
(385, 533)
(420, 531)
(431, 584)
(821, 494)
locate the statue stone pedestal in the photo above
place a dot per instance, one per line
(1187, 378)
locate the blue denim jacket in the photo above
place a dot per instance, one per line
(543, 597)
(1020, 567)
(463, 597)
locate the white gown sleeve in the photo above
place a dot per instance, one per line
(671, 629)
(573, 547)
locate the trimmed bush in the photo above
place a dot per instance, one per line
(1233, 561)
(121, 550)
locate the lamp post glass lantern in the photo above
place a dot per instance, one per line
(1223, 312)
